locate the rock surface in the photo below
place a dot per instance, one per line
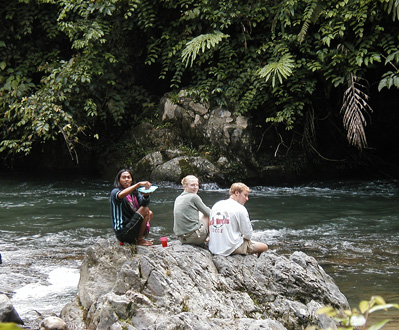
(228, 132)
(176, 168)
(216, 145)
(195, 128)
(7, 311)
(53, 323)
(186, 287)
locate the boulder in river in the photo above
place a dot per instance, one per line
(186, 287)
(53, 323)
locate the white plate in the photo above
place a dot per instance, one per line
(147, 191)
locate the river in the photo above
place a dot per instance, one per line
(350, 227)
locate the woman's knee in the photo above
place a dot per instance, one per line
(146, 213)
(143, 210)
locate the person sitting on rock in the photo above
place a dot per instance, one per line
(191, 215)
(230, 228)
(129, 209)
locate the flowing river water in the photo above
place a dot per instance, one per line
(350, 227)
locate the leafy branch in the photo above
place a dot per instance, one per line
(357, 318)
(393, 6)
(390, 78)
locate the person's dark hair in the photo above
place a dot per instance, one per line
(117, 182)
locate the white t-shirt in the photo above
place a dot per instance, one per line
(229, 224)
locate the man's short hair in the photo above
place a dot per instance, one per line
(238, 186)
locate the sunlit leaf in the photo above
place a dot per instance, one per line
(380, 307)
(379, 300)
(378, 325)
(9, 326)
(363, 306)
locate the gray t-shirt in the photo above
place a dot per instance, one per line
(185, 212)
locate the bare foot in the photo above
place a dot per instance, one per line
(144, 242)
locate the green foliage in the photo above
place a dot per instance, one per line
(280, 69)
(389, 79)
(392, 6)
(75, 96)
(87, 71)
(357, 318)
(9, 326)
(200, 43)
(311, 13)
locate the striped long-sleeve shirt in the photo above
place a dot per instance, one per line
(121, 210)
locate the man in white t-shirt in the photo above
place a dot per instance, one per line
(230, 228)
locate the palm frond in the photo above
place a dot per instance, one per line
(201, 43)
(354, 108)
(280, 69)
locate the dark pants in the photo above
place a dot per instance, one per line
(131, 232)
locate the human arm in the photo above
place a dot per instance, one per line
(245, 224)
(201, 206)
(127, 191)
(143, 199)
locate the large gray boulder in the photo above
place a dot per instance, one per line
(186, 287)
(229, 133)
(170, 165)
(178, 167)
(212, 143)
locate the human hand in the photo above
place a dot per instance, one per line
(145, 184)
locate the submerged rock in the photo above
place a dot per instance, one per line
(53, 323)
(186, 287)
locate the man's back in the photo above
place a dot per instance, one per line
(229, 224)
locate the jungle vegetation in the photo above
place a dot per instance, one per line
(79, 70)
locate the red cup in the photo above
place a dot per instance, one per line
(164, 241)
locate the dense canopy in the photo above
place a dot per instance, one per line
(81, 69)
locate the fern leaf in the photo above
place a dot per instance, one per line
(354, 108)
(281, 69)
(201, 43)
(303, 32)
(312, 12)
